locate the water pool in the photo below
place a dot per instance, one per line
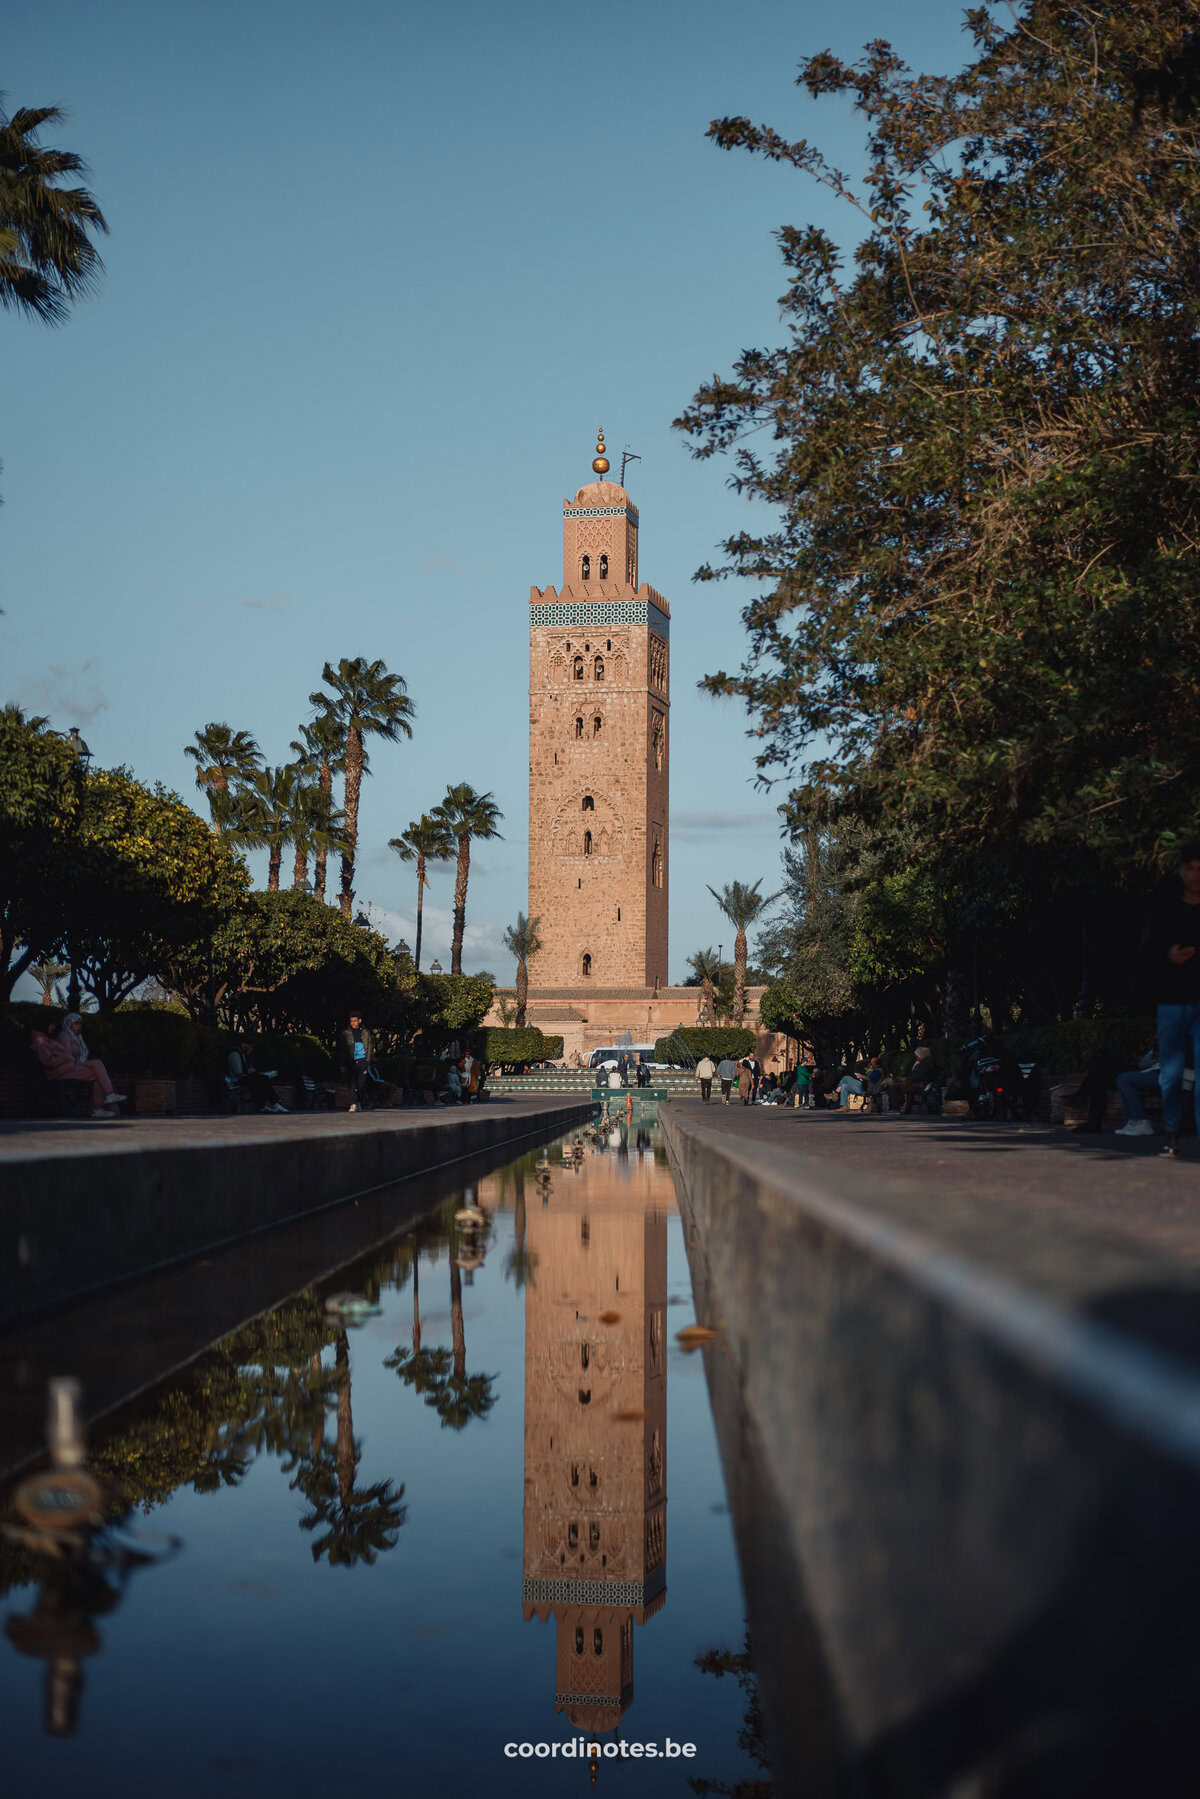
(474, 1540)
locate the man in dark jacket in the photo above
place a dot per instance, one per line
(356, 1051)
(1170, 953)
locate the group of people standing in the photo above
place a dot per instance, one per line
(748, 1075)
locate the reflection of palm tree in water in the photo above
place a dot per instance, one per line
(358, 1522)
(440, 1375)
(520, 1264)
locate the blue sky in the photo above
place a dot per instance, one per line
(376, 274)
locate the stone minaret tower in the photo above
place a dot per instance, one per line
(598, 754)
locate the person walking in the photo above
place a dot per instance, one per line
(727, 1075)
(1168, 951)
(705, 1070)
(66, 1058)
(356, 1050)
(240, 1065)
(745, 1081)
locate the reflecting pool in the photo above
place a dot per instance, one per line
(382, 1543)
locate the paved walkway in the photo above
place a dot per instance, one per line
(1074, 1212)
(26, 1140)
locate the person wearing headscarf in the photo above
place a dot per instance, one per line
(66, 1058)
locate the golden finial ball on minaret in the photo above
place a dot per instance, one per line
(601, 463)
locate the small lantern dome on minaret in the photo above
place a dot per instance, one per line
(600, 465)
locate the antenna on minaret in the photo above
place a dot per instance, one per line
(627, 456)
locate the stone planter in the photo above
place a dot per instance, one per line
(154, 1098)
(13, 1098)
(193, 1098)
(956, 1108)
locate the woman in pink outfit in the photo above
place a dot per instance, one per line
(65, 1058)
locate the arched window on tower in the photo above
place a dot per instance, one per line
(579, 727)
(587, 843)
(656, 866)
(604, 568)
(578, 670)
(598, 668)
(589, 804)
(585, 967)
(585, 567)
(596, 724)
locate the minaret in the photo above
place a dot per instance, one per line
(598, 754)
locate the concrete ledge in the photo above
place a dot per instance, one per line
(965, 1485)
(83, 1208)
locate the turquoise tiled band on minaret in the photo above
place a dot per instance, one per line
(601, 612)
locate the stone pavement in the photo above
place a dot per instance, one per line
(1076, 1213)
(956, 1379)
(83, 1205)
(33, 1139)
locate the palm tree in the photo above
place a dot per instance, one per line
(264, 817)
(706, 967)
(48, 975)
(741, 905)
(320, 750)
(317, 826)
(47, 258)
(522, 940)
(366, 701)
(226, 761)
(468, 814)
(428, 840)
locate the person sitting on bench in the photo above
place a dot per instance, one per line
(240, 1063)
(66, 1058)
(921, 1075)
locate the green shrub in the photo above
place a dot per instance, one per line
(717, 1041)
(517, 1048)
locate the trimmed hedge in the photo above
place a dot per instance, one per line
(715, 1040)
(139, 1041)
(510, 1048)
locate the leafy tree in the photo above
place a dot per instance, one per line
(41, 793)
(468, 815)
(522, 941)
(140, 876)
(286, 959)
(320, 751)
(226, 762)
(742, 905)
(975, 617)
(428, 839)
(454, 1004)
(366, 701)
(47, 257)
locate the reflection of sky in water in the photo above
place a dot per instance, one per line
(246, 1666)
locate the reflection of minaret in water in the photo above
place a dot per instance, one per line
(596, 1429)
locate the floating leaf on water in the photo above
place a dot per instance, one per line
(610, 1317)
(695, 1337)
(633, 1416)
